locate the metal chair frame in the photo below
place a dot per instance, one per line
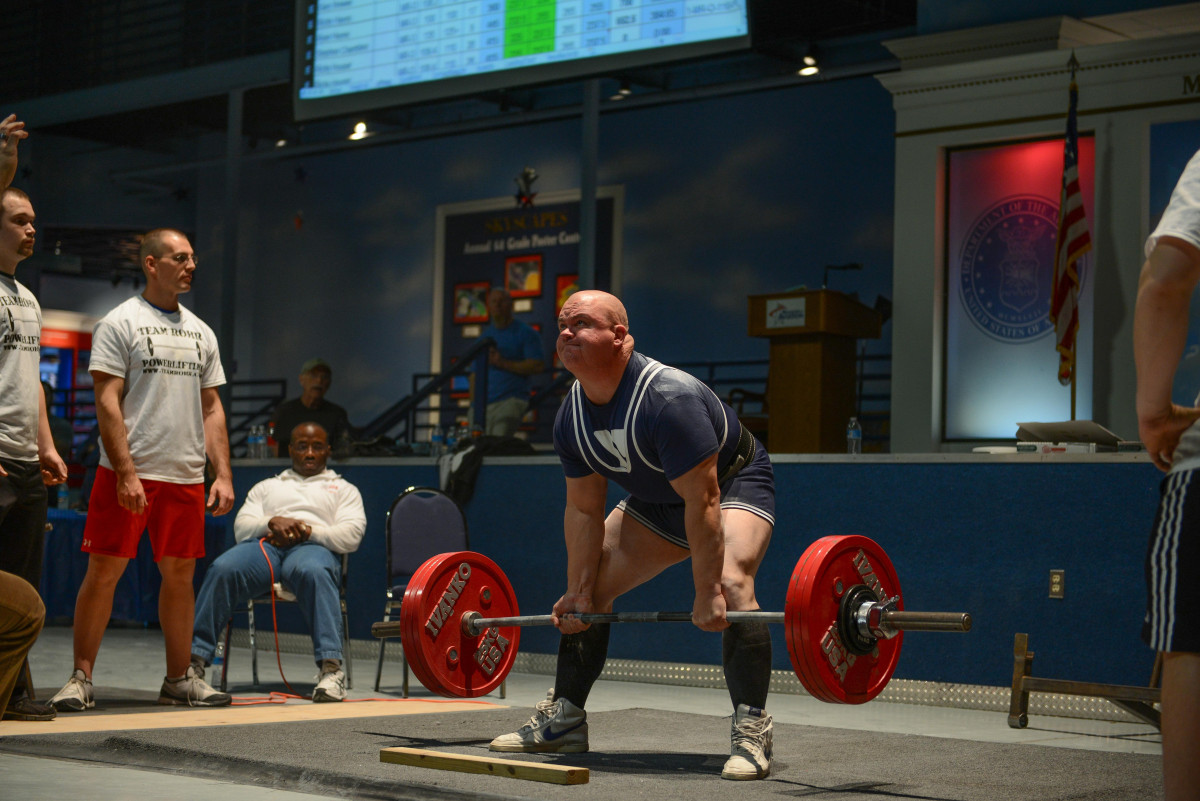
(266, 599)
(398, 576)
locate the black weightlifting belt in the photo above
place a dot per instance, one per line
(743, 456)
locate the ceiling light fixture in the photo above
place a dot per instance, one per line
(810, 63)
(360, 131)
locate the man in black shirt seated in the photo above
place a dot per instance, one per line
(311, 407)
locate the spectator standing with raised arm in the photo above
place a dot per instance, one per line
(28, 460)
(1172, 438)
(156, 370)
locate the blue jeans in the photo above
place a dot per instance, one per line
(309, 570)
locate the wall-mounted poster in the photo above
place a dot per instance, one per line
(470, 302)
(565, 285)
(477, 241)
(523, 275)
(1001, 225)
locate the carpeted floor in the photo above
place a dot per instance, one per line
(636, 753)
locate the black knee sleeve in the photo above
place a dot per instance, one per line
(581, 657)
(746, 657)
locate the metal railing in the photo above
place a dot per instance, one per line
(416, 412)
(434, 396)
(251, 403)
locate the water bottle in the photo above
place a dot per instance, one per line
(451, 438)
(853, 436)
(219, 655)
(436, 443)
(254, 443)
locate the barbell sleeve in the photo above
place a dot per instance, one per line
(926, 621)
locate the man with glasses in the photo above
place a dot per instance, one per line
(156, 370)
(291, 530)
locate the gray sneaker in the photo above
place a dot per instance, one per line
(191, 690)
(555, 726)
(76, 694)
(331, 684)
(750, 745)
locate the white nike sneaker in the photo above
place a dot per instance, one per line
(750, 745)
(555, 726)
(76, 694)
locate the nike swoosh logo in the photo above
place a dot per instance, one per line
(551, 734)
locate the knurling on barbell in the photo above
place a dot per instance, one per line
(843, 621)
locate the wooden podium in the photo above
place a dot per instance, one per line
(811, 379)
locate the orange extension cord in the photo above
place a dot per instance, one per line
(283, 698)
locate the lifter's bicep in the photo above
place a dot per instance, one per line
(586, 495)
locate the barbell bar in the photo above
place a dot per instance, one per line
(872, 619)
(886, 622)
(843, 621)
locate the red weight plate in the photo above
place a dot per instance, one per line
(802, 664)
(419, 597)
(432, 632)
(830, 567)
(444, 659)
(791, 628)
(814, 653)
(414, 593)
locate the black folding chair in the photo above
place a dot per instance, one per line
(421, 523)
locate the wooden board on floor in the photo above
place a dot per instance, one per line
(465, 763)
(291, 712)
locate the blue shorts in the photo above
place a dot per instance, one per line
(1173, 566)
(752, 490)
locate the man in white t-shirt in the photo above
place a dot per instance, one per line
(156, 370)
(1172, 438)
(28, 461)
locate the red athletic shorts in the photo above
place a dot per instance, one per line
(174, 514)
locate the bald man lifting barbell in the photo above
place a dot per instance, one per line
(699, 485)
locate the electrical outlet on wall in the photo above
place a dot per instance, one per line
(1057, 584)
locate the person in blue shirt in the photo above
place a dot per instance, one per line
(516, 356)
(699, 485)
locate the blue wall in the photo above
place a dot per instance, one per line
(724, 198)
(973, 536)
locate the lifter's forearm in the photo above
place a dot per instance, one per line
(706, 539)
(584, 535)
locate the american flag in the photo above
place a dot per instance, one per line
(1073, 240)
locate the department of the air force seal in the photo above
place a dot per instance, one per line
(1006, 268)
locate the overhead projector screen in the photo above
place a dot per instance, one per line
(357, 55)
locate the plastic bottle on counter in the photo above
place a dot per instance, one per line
(853, 437)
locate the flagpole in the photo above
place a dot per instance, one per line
(1074, 372)
(1072, 241)
(1073, 65)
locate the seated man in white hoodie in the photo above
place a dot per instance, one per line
(301, 520)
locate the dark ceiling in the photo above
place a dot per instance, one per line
(53, 46)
